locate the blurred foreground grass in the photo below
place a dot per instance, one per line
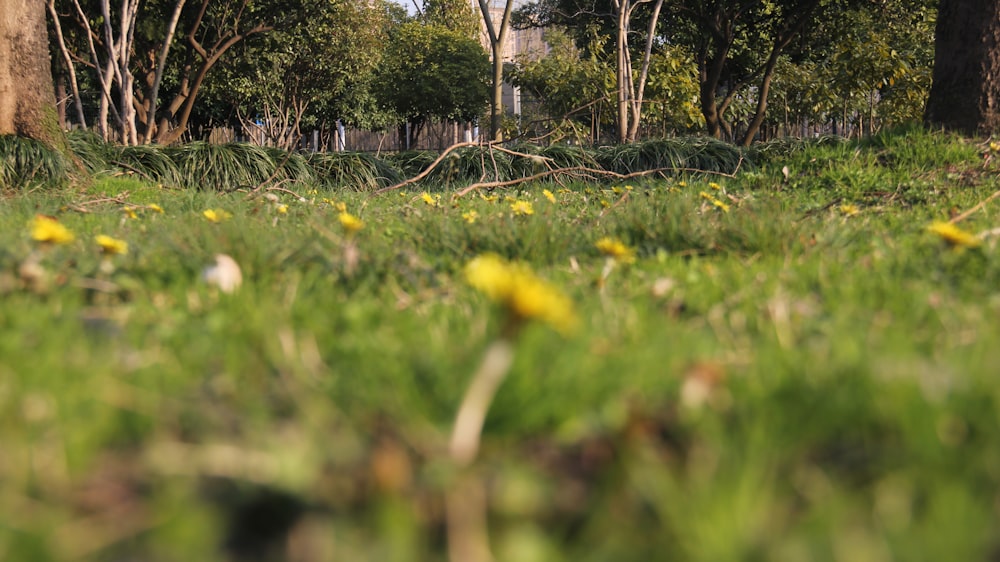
(802, 372)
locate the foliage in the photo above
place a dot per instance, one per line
(25, 162)
(431, 72)
(313, 69)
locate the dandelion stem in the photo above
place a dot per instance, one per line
(472, 413)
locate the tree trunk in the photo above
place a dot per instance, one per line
(965, 91)
(27, 99)
(498, 38)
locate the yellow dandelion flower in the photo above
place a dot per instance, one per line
(490, 198)
(340, 206)
(682, 184)
(48, 230)
(616, 250)
(720, 205)
(216, 215)
(605, 203)
(953, 235)
(282, 209)
(548, 195)
(705, 195)
(714, 186)
(155, 208)
(522, 208)
(429, 199)
(617, 190)
(130, 212)
(470, 216)
(520, 291)
(350, 223)
(849, 209)
(111, 246)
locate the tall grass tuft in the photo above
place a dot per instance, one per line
(222, 167)
(149, 161)
(26, 162)
(693, 153)
(352, 170)
(94, 153)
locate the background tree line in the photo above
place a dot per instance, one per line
(153, 71)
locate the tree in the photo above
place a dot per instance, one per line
(630, 90)
(131, 49)
(306, 69)
(965, 90)
(455, 15)
(496, 32)
(27, 98)
(430, 72)
(574, 88)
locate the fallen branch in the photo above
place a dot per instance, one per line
(961, 217)
(581, 171)
(429, 169)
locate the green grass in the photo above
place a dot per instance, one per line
(782, 381)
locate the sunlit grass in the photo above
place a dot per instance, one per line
(783, 381)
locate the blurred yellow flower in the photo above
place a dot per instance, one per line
(111, 246)
(548, 195)
(724, 207)
(470, 216)
(953, 235)
(130, 212)
(282, 209)
(616, 250)
(216, 215)
(520, 291)
(429, 199)
(340, 206)
(715, 186)
(522, 208)
(155, 208)
(849, 209)
(350, 223)
(48, 230)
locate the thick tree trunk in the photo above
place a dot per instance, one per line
(965, 92)
(27, 99)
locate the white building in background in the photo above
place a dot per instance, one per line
(520, 44)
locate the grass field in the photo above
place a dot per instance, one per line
(785, 364)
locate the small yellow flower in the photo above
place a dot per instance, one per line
(954, 236)
(155, 208)
(617, 190)
(524, 295)
(522, 208)
(616, 250)
(111, 246)
(548, 195)
(341, 207)
(282, 209)
(605, 203)
(470, 216)
(724, 207)
(216, 215)
(48, 230)
(490, 198)
(849, 209)
(130, 212)
(429, 199)
(350, 223)
(682, 184)
(715, 186)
